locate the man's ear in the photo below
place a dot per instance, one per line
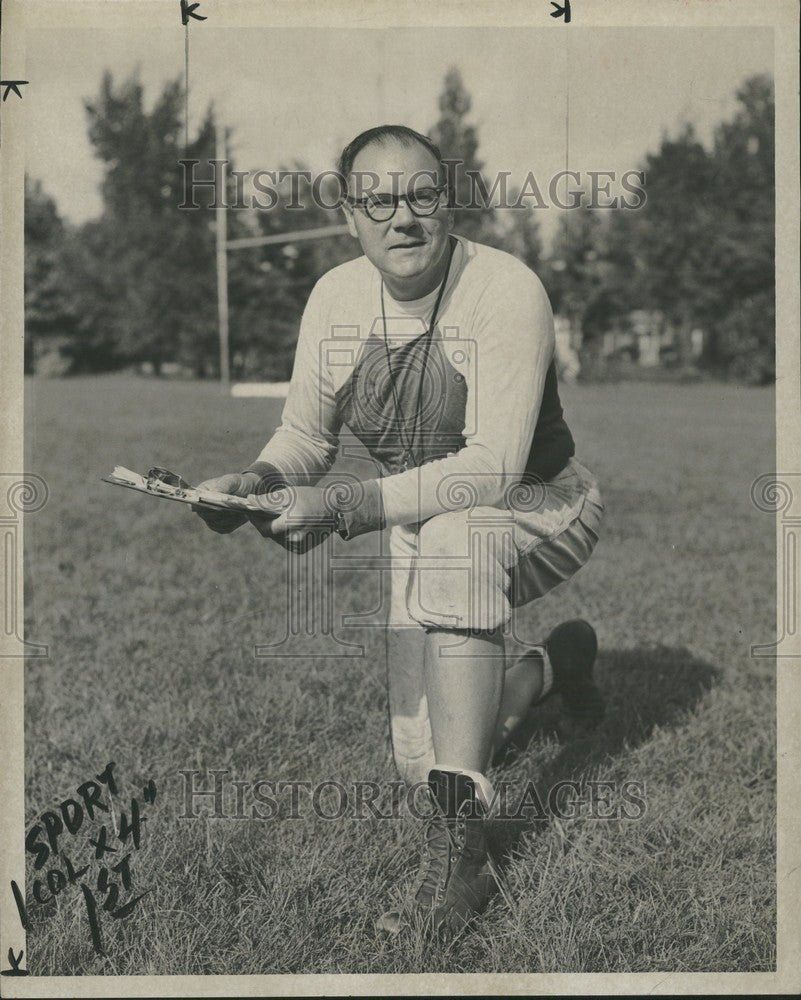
(347, 211)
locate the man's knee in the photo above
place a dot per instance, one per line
(457, 533)
(461, 576)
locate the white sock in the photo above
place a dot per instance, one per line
(484, 789)
(547, 674)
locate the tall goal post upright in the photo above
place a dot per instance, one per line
(221, 233)
(224, 245)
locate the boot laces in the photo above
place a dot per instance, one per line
(442, 844)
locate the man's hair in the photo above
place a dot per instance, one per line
(383, 134)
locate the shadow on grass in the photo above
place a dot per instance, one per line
(644, 688)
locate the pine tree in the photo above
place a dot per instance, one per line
(458, 141)
(49, 313)
(743, 324)
(160, 257)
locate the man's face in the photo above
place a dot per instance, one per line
(407, 246)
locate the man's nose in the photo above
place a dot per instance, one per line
(404, 217)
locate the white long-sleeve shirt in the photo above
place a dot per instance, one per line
(489, 384)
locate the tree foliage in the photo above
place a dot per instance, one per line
(458, 142)
(48, 302)
(138, 284)
(700, 251)
(159, 290)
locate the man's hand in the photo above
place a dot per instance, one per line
(237, 484)
(304, 522)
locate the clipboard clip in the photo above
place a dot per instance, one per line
(160, 480)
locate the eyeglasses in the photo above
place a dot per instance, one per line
(381, 207)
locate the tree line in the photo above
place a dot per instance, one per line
(137, 284)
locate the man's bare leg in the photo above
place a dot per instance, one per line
(469, 713)
(464, 694)
(410, 728)
(563, 664)
(470, 679)
(523, 686)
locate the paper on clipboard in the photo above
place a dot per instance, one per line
(182, 492)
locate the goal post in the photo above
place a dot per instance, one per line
(224, 246)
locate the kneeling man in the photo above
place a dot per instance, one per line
(444, 369)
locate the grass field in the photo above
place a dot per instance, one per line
(152, 620)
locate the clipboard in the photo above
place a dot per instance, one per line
(166, 485)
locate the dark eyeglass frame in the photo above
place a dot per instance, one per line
(365, 203)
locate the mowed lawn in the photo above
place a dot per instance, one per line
(152, 620)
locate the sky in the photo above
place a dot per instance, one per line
(595, 99)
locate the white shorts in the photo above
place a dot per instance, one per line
(467, 569)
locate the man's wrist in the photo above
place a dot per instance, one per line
(367, 516)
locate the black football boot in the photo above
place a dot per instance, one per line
(457, 877)
(572, 648)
